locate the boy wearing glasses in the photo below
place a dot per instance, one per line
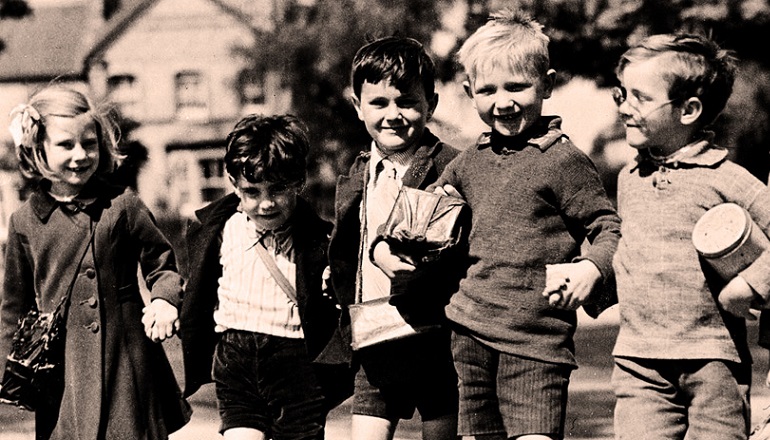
(682, 362)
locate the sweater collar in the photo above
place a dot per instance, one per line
(542, 134)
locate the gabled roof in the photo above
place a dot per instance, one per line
(46, 45)
(125, 18)
(59, 41)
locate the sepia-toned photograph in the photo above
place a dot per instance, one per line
(384, 219)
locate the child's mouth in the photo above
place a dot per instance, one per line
(507, 117)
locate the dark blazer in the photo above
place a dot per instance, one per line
(319, 313)
(115, 378)
(434, 288)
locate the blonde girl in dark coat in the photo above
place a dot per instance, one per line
(117, 382)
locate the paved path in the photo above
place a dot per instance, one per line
(589, 413)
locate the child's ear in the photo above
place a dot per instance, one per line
(432, 104)
(549, 79)
(357, 105)
(235, 184)
(467, 87)
(691, 110)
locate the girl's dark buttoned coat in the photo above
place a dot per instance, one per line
(117, 382)
(318, 313)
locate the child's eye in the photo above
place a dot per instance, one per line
(378, 103)
(486, 90)
(516, 87)
(407, 103)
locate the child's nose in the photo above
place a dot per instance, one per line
(505, 101)
(79, 152)
(393, 112)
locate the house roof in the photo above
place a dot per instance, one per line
(58, 41)
(125, 18)
(46, 45)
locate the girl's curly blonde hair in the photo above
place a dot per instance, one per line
(29, 122)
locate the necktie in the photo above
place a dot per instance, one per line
(379, 202)
(384, 193)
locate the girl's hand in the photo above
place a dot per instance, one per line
(737, 298)
(161, 320)
(568, 285)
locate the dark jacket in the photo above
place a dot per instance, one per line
(318, 313)
(117, 382)
(431, 290)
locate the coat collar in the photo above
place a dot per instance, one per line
(43, 204)
(304, 220)
(421, 163)
(542, 134)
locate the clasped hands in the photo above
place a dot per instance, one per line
(160, 319)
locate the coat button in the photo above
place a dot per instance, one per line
(90, 273)
(93, 302)
(94, 327)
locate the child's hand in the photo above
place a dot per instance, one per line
(447, 190)
(568, 285)
(391, 264)
(326, 279)
(737, 297)
(160, 319)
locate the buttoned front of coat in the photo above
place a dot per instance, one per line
(118, 383)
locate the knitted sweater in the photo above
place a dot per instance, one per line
(534, 198)
(668, 307)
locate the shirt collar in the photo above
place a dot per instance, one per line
(399, 158)
(701, 152)
(278, 240)
(542, 134)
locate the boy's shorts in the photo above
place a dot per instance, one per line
(502, 393)
(398, 377)
(267, 383)
(681, 398)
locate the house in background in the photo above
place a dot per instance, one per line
(170, 65)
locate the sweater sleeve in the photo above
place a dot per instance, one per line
(749, 192)
(587, 208)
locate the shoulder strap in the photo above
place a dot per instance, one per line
(278, 276)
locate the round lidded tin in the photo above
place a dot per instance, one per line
(728, 239)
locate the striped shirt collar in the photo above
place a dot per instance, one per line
(279, 240)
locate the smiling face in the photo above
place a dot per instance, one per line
(71, 149)
(395, 119)
(509, 102)
(651, 118)
(268, 204)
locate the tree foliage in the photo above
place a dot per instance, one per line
(316, 40)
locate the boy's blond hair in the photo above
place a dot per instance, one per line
(510, 39)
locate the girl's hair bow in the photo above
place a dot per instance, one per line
(23, 118)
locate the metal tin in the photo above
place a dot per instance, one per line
(728, 239)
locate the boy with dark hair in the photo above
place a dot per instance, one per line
(682, 362)
(254, 305)
(534, 199)
(393, 93)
